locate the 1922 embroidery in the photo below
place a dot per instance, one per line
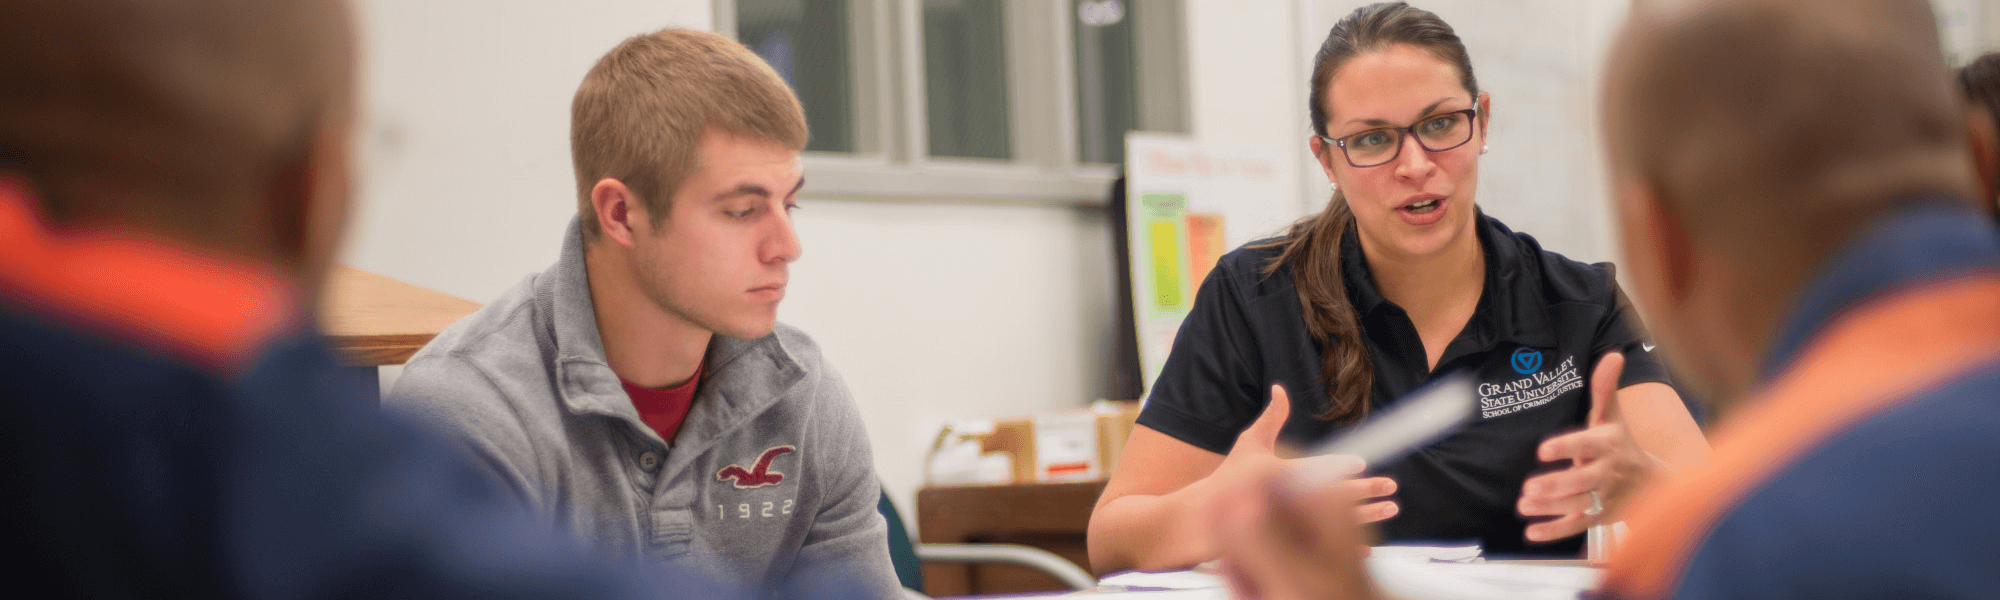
(748, 510)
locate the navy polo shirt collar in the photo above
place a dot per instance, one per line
(1931, 237)
(1510, 309)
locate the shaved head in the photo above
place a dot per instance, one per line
(108, 102)
(1736, 111)
(1748, 140)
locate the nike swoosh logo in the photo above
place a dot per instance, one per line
(1645, 346)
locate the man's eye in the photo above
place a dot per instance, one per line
(740, 213)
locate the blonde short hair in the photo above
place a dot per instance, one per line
(642, 109)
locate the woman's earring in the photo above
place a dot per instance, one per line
(1333, 185)
(1483, 148)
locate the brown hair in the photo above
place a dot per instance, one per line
(642, 109)
(114, 106)
(1311, 247)
(1980, 81)
(1775, 134)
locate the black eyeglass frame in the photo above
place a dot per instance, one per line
(1471, 115)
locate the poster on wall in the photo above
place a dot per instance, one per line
(1188, 203)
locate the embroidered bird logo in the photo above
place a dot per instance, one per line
(758, 476)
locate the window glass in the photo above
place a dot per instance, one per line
(1107, 102)
(806, 41)
(965, 79)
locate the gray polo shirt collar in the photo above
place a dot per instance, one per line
(741, 378)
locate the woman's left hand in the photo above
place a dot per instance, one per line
(1603, 459)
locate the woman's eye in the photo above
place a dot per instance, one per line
(740, 213)
(1440, 124)
(1372, 139)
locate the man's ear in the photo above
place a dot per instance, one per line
(1983, 144)
(306, 205)
(1653, 228)
(615, 209)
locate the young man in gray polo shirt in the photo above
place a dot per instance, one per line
(640, 390)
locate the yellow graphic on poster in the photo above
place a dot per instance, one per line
(1187, 204)
(1164, 216)
(1205, 245)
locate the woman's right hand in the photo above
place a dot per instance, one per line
(1258, 445)
(1153, 514)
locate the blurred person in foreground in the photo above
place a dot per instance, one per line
(1799, 220)
(174, 184)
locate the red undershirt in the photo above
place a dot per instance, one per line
(663, 410)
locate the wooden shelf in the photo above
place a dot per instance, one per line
(374, 320)
(1050, 516)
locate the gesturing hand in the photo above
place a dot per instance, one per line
(1603, 457)
(1258, 445)
(1282, 545)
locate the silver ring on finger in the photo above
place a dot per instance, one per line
(1596, 505)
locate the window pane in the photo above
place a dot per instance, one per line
(806, 41)
(1107, 103)
(965, 78)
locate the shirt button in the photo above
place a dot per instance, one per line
(649, 461)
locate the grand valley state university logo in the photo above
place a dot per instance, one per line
(1538, 386)
(1527, 360)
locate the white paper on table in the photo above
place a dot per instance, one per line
(1168, 580)
(1203, 594)
(1411, 572)
(1427, 580)
(1207, 575)
(1436, 553)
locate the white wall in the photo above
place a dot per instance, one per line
(945, 311)
(466, 173)
(937, 312)
(1247, 85)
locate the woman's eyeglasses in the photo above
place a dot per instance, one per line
(1376, 147)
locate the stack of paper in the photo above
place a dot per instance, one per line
(1411, 572)
(1433, 553)
(1197, 579)
(1427, 580)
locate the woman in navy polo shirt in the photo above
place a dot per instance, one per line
(1400, 278)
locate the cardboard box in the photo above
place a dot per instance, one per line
(1114, 426)
(1080, 445)
(1015, 437)
(1067, 448)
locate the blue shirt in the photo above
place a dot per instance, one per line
(171, 430)
(1899, 505)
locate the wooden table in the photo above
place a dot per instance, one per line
(1050, 516)
(374, 320)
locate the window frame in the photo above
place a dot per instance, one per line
(892, 161)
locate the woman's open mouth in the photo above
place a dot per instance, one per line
(1424, 209)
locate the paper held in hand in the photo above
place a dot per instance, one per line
(1423, 416)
